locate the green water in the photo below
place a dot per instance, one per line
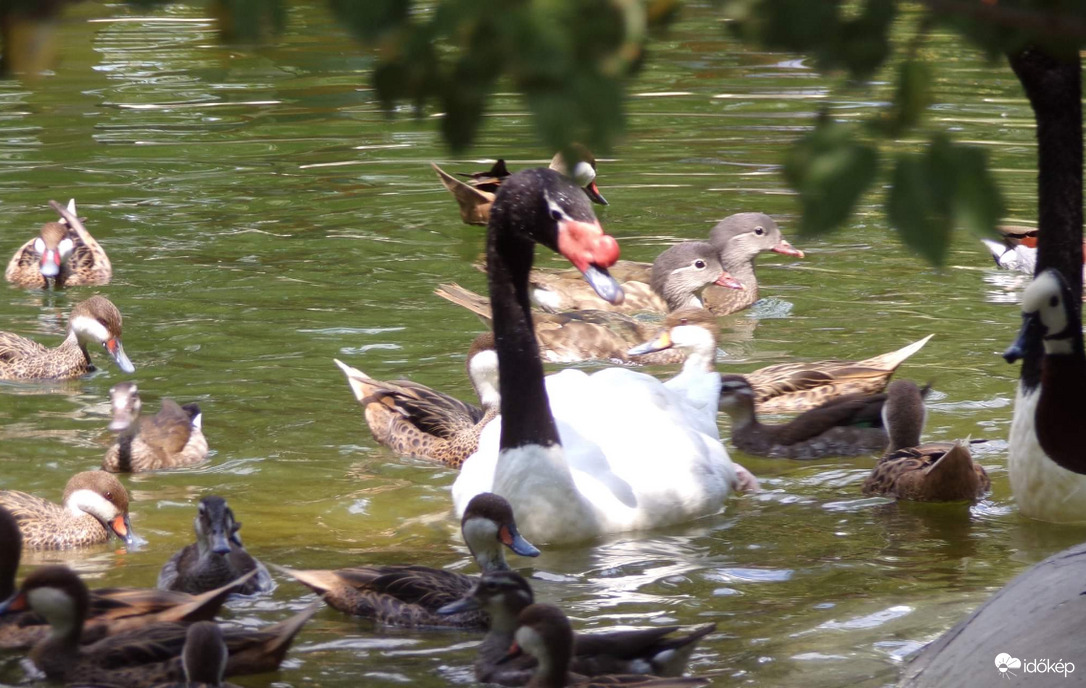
(264, 216)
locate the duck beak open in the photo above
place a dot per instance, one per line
(122, 528)
(787, 249)
(113, 346)
(513, 540)
(590, 250)
(659, 344)
(726, 280)
(593, 192)
(468, 604)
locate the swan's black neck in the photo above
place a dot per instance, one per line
(525, 408)
(1054, 88)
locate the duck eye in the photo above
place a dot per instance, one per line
(759, 231)
(109, 496)
(699, 264)
(684, 321)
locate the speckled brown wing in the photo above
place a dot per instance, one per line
(14, 348)
(28, 509)
(906, 474)
(587, 335)
(431, 411)
(24, 268)
(722, 301)
(572, 292)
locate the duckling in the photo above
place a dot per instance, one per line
(678, 276)
(137, 658)
(216, 558)
(94, 321)
(543, 631)
(64, 252)
(793, 387)
(414, 420)
(171, 439)
(931, 472)
(411, 595)
(845, 426)
(477, 195)
(95, 504)
(504, 594)
(203, 658)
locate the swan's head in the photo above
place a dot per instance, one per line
(545, 207)
(102, 496)
(689, 329)
(97, 321)
(487, 525)
(1047, 314)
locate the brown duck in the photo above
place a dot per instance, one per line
(503, 595)
(94, 321)
(411, 595)
(172, 438)
(94, 505)
(476, 195)
(793, 387)
(216, 558)
(138, 658)
(64, 253)
(543, 631)
(414, 420)
(845, 426)
(930, 472)
(203, 658)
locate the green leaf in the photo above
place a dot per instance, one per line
(915, 209)
(830, 170)
(912, 98)
(368, 19)
(978, 203)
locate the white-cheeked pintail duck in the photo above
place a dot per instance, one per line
(94, 505)
(172, 438)
(94, 321)
(64, 254)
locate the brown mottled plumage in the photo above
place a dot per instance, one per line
(94, 321)
(476, 195)
(414, 420)
(930, 472)
(543, 631)
(64, 252)
(790, 387)
(142, 657)
(170, 439)
(95, 504)
(411, 595)
(845, 426)
(216, 558)
(659, 651)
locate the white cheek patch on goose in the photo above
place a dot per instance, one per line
(90, 329)
(89, 501)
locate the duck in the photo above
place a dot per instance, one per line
(216, 558)
(543, 631)
(203, 658)
(405, 595)
(562, 451)
(845, 426)
(659, 651)
(416, 421)
(929, 472)
(476, 196)
(1017, 248)
(677, 277)
(173, 438)
(111, 610)
(94, 505)
(1047, 468)
(136, 658)
(63, 253)
(795, 387)
(94, 321)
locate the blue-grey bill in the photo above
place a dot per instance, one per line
(468, 604)
(604, 285)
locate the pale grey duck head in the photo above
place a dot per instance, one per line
(682, 271)
(741, 237)
(487, 526)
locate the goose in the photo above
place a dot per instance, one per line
(403, 595)
(94, 321)
(929, 472)
(476, 196)
(216, 558)
(572, 468)
(503, 595)
(414, 420)
(543, 631)
(136, 658)
(95, 505)
(63, 253)
(173, 438)
(844, 426)
(1047, 464)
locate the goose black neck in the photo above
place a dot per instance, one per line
(1054, 88)
(525, 408)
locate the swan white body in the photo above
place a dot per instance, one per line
(635, 454)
